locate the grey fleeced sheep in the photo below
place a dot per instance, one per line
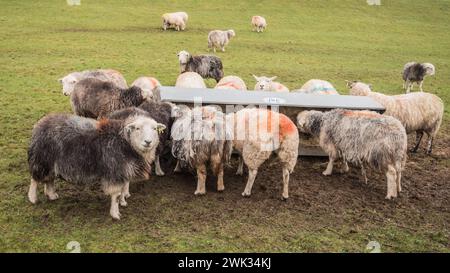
(256, 134)
(108, 75)
(415, 73)
(220, 39)
(177, 20)
(86, 151)
(418, 112)
(199, 138)
(161, 112)
(94, 98)
(363, 138)
(207, 66)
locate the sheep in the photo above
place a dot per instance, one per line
(147, 84)
(207, 66)
(416, 72)
(219, 39)
(190, 80)
(108, 75)
(94, 98)
(268, 84)
(364, 138)
(198, 137)
(177, 20)
(418, 112)
(86, 151)
(259, 23)
(161, 112)
(315, 86)
(231, 82)
(256, 134)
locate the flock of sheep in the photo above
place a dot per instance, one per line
(117, 132)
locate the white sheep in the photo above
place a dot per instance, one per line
(315, 86)
(190, 80)
(220, 39)
(258, 133)
(268, 84)
(109, 75)
(147, 84)
(231, 82)
(259, 23)
(418, 112)
(177, 20)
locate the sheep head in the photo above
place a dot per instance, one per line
(230, 33)
(142, 133)
(310, 122)
(359, 88)
(429, 68)
(183, 57)
(263, 83)
(68, 82)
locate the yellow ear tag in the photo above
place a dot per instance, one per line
(160, 130)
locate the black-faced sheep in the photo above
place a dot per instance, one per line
(256, 134)
(199, 138)
(206, 65)
(177, 20)
(190, 80)
(231, 82)
(86, 151)
(108, 75)
(363, 138)
(258, 23)
(94, 98)
(161, 112)
(415, 73)
(418, 112)
(268, 84)
(219, 39)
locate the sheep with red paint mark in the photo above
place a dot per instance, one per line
(147, 84)
(258, 133)
(231, 82)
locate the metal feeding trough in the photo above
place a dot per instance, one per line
(289, 104)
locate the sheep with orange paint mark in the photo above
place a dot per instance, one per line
(268, 84)
(147, 84)
(418, 112)
(363, 138)
(256, 134)
(231, 82)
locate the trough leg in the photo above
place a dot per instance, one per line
(32, 192)
(201, 180)
(158, 170)
(49, 190)
(419, 135)
(391, 182)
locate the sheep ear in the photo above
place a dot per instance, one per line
(160, 128)
(273, 78)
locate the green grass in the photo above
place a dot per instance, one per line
(335, 40)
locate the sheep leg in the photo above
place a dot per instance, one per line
(220, 185)
(125, 194)
(240, 169)
(177, 167)
(345, 167)
(391, 182)
(285, 182)
(430, 144)
(158, 170)
(364, 173)
(329, 169)
(49, 190)
(32, 192)
(251, 179)
(201, 180)
(419, 135)
(408, 86)
(223, 48)
(114, 210)
(420, 86)
(398, 180)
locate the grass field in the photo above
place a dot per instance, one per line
(335, 40)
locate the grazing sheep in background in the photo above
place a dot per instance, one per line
(177, 20)
(162, 113)
(418, 112)
(198, 137)
(259, 23)
(206, 65)
(320, 87)
(267, 84)
(108, 75)
(219, 39)
(86, 151)
(190, 80)
(256, 134)
(416, 72)
(231, 82)
(363, 138)
(146, 83)
(93, 98)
